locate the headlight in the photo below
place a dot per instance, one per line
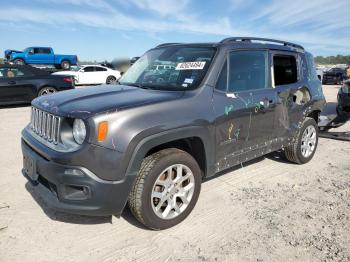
(79, 131)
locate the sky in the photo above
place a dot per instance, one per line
(104, 30)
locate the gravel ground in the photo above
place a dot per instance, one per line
(269, 210)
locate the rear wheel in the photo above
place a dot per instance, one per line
(19, 61)
(305, 144)
(111, 80)
(47, 90)
(65, 65)
(166, 189)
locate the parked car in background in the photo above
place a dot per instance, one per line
(21, 84)
(344, 98)
(335, 75)
(41, 56)
(133, 60)
(92, 75)
(182, 113)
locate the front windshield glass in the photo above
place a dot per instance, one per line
(170, 68)
(77, 68)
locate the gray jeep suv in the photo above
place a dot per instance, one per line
(180, 114)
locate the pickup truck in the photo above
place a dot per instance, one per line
(40, 55)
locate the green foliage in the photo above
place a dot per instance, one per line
(332, 60)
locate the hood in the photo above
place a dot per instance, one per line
(8, 52)
(89, 101)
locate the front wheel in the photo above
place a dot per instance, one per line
(166, 189)
(19, 61)
(47, 91)
(111, 80)
(305, 143)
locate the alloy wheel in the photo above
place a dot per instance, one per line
(172, 192)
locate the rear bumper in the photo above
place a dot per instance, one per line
(79, 191)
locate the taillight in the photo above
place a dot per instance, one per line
(68, 79)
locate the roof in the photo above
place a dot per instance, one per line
(244, 42)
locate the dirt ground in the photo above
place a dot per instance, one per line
(269, 210)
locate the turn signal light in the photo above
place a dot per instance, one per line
(102, 131)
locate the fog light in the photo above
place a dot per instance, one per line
(73, 172)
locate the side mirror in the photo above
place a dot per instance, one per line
(31, 52)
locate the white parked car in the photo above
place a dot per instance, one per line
(92, 75)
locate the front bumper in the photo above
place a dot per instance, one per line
(79, 191)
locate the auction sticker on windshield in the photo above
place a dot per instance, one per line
(190, 66)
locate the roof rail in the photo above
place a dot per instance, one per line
(165, 44)
(250, 39)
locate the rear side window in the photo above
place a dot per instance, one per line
(285, 69)
(248, 70)
(100, 69)
(89, 69)
(42, 51)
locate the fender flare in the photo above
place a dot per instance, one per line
(147, 143)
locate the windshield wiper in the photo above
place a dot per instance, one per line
(139, 85)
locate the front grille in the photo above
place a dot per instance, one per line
(45, 125)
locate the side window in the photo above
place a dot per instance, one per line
(89, 69)
(222, 80)
(248, 70)
(99, 69)
(285, 69)
(45, 51)
(10, 73)
(36, 50)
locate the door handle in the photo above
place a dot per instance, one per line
(266, 103)
(11, 82)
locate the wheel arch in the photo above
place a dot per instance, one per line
(193, 140)
(39, 88)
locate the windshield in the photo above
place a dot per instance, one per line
(77, 68)
(170, 68)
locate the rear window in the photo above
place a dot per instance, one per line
(285, 69)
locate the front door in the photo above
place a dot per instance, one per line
(244, 104)
(12, 86)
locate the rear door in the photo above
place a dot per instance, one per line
(101, 75)
(43, 55)
(86, 76)
(288, 82)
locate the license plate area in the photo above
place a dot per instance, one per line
(29, 167)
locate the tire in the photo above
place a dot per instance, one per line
(294, 152)
(154, 169)
(65, 65)
(111, 80)
(339, 110)
(19, 61)
(47, 90)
